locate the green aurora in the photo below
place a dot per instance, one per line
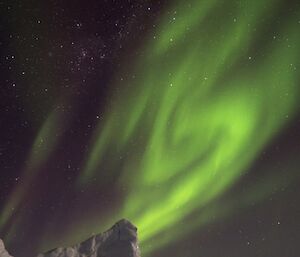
(43, 145)
(201, 106)
(191, 115)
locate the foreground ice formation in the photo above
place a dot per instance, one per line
(3, 252)
(119, 241)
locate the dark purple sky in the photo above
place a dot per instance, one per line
(63, 56)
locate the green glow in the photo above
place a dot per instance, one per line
(43, 145)
(232, 204)
(201, 108)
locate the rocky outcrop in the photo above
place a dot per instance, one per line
(119, 241)
(3, 252)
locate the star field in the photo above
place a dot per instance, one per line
(181, 116)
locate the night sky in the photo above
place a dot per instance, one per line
(181, 116)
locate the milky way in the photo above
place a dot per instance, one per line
(181, 116)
